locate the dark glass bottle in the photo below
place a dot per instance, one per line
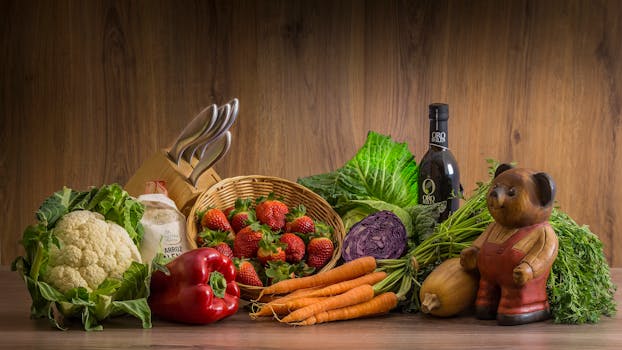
(439, 177)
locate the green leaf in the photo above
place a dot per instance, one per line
(49, 293)
(116, 205)
(138, 308)
(301, 269)
(381, 170)
(68, 309)
(135, 282)
(40, 305)
(108, 287)
(326, 185)
(159, 261)
(212, 238)
(89, 321)
(425, 218)
(80, 296)
(278, 270)
(102, 306)
(55, 206)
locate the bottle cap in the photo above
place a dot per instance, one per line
(439, 111)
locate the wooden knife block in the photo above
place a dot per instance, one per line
(160, 167)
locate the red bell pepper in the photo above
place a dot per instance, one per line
(200, 288)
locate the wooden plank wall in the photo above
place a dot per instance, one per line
(90, 89)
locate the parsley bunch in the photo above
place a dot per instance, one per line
(580, 289)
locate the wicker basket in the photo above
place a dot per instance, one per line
(224, 193)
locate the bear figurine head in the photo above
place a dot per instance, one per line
(520, 197)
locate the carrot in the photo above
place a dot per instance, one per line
(355, 295)
(315, 292)
(297, 293)
(349, 270)
(342, 287)
(379, 304)
(337, 288)
(282, 308)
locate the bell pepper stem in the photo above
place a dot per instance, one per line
(218, 283)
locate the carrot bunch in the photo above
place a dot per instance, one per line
(345, 292)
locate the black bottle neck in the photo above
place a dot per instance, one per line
(438, 133)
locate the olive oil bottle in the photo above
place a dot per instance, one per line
(439, 176)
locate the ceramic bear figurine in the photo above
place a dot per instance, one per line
(515, 253)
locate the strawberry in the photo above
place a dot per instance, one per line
(248, 275)
(270, 249)
(228, 211)
(224, 249)
(219, 240)
(295, 250)
(265, 255)
(271, 212)
(246, 241)
(215, 219)
(241, 216)
(298, 221)
(319, 251)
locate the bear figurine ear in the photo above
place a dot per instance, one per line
(546, 188)
(502, 167)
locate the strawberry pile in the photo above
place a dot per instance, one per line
(268, 241)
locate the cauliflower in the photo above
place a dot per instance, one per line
(91, 250)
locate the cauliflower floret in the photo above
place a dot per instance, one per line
(91, 250)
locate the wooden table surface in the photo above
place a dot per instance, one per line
(393, 331)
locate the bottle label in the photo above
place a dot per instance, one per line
(438, 137)
(438, 133)
(428, 187)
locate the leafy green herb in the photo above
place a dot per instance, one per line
(425, 218)
(580, 288)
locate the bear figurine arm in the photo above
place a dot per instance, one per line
(542, 252)
(468, 256)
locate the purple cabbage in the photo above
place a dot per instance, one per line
(381, 235)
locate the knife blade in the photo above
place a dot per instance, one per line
(213, 151)
(198, 125)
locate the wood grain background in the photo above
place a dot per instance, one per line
(90, 89)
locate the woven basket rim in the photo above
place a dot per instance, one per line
(211, 194)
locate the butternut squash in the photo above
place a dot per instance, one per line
(448, 289)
